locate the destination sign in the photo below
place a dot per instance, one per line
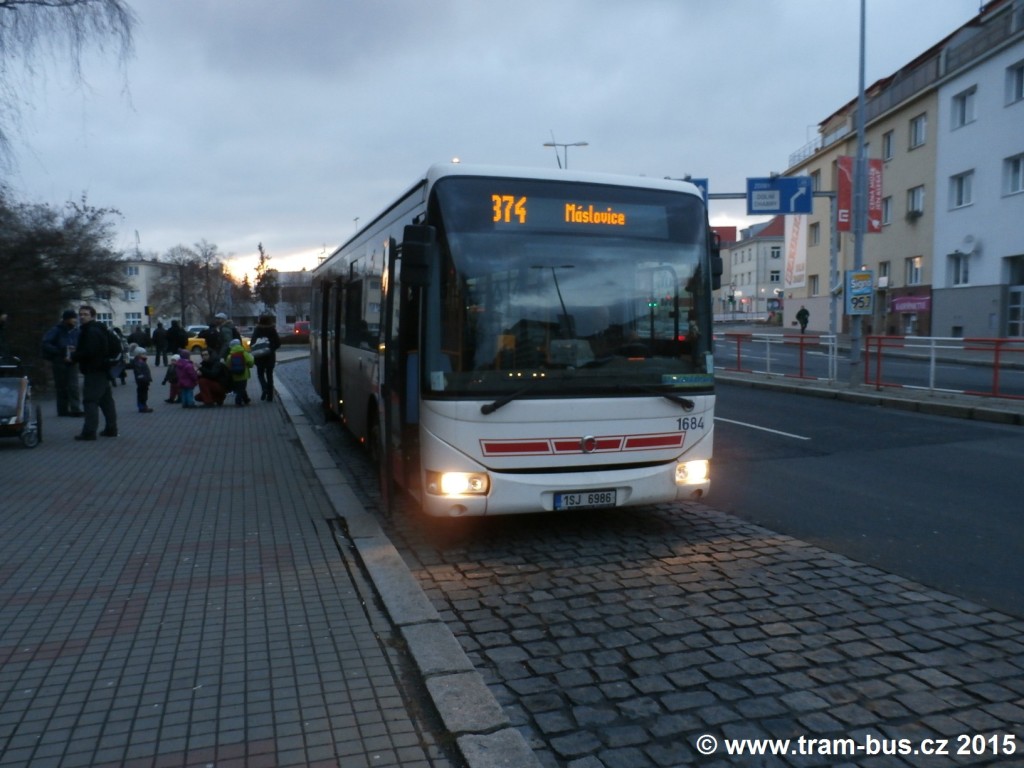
(523, 208)
(510, 209)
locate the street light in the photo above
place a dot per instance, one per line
(565, 149)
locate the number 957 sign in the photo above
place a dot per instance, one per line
(860, 292)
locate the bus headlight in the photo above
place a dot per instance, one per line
(457, 483)
(692, 472)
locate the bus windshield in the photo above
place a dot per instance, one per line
(579, 289)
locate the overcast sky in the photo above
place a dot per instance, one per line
(283, 121)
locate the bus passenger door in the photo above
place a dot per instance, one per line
(358, 361)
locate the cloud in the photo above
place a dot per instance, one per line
(251, 121)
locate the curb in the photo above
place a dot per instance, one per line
(469, 711)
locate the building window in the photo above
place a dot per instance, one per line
(887, 210)
(918, 130)
(812, 285)
(775, 276)
(133, 318)
(107, 318)
(814, 234)
(1015, 83)
(958, 264)
(776, 252)
(887, 143)
(961, 189)
(1013, 171)
(963, 107)
(131, 295)
(913, 271)
(915, 201)
(816, 181)
(883, 269)
(131, 270)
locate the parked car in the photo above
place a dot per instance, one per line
(197, 344)
(195, 330)
(300, 330)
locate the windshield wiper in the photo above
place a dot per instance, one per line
(488, 408)
(683, 402)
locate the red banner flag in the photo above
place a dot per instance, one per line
(844, 195)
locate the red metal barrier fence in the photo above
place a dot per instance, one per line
(740, 341)
(999, 353)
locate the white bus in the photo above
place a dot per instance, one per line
(509, 340)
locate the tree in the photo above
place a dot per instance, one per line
(216, 283)
(31, 28)
(176, 292)
(268, 286)
(51, 257)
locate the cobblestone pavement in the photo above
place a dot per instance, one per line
(619, 639)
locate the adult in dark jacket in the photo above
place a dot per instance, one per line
(214, 380)
(265, 362)
(177, 337)
(5, 351)
(160, 344)
(57, 345)
(97, 393)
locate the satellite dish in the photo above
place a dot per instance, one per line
(970, 245)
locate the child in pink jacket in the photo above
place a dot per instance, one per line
(188, 378)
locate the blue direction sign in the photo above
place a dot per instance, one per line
(702, 185)
(779, 195)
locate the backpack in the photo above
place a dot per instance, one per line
(114, 351)
(236, 363)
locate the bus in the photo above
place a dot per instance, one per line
(509, 341)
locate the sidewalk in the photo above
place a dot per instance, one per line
(188, 593)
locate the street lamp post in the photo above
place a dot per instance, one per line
(565, 149)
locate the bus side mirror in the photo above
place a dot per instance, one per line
(419, 250)
(716, 261)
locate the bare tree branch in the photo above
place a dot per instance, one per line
(32, 29)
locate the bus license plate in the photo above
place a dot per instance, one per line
(585, 499)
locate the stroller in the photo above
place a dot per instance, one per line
(19, 416)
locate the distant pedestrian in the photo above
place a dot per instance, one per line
(239, 362)
(138, 336)
(264, 345)
(120, 369)
(143, 378)
(802, 317)
(188, 377)
(160, 345)
(5, 351)
(97, 395)
(171, 379)
(58, 344)
(220, 334)
(177, 337)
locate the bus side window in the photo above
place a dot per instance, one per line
(355, 325)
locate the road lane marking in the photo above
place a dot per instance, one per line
(763, 429)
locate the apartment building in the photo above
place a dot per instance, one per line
(126, 309)
(752, 274)
(948, 128)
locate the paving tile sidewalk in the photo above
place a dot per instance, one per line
(176, 596)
